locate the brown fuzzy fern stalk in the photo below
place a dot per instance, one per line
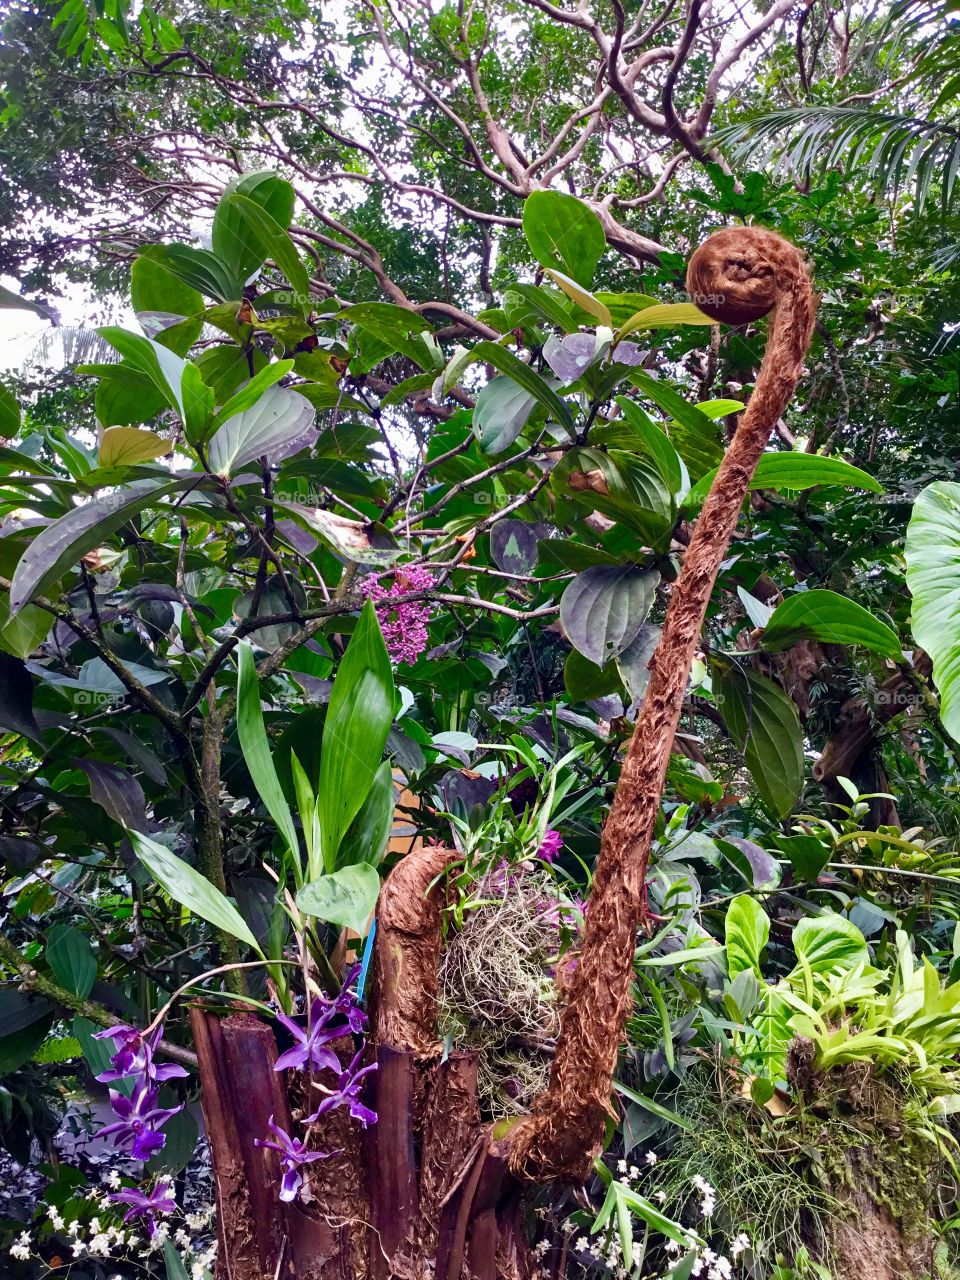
(738, 275)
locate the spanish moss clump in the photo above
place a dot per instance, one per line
(497, 992)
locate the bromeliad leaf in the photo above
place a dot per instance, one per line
(603, 609)
(832, 618)
(191, 889)
(933, 576)
(60, 545)
(346, 897)
(277, 426)
(355, 732)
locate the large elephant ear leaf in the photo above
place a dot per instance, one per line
(933, 576)
(763, 722)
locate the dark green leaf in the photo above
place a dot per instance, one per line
(70, 956)
(763, 723)
(603, 609)
(563, 233)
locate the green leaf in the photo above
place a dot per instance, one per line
(367, 836)
(256, 746)
(549, 305)
(164, 368)
(526, 378)
(10, 301)
(70, 956)
(198, 268)
(9, 412)
(20, 1046)
(346, 897)
(191, 889)
(603, 609)
(60, 545)
(96, 1052)
(584, 680)
(500, 414)
(933, 577)
(233, 239)
(256, 234)
(829, 942)
(794, 471)
(155, 289)
(21, 634)
(664, 315)
(355, 731)
(173, 1262)
(583, 298)
(747, 928)
(763, 723)
(277, 425)
(656, 444)
(250, 392)
(181, 1133)
(832, 618)
(563, 233)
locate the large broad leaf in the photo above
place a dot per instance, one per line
(21, 634)
(794, 471)
(198, 268)
(233, 239)
(278, 425)
(16, 698)
(513, 546)
(933, 576)
(501, 413)
(256, 746)
(655, 443)
(747, 930)
(71, 958)
(117, 792)
(126, 446)
(168, 309)
(832, 618)
(563, 233)
(526, 378)
(60, 545)
(257, 235)
(191, 889)
(345, 897)
(603, 609)
(763, 722)
(829, 942)
(13, 302)
(355, 731)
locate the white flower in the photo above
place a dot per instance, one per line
(582, 1243)
(196, 1271)
(660, 1197)
(722, 1269)
(100, 1244)
(196, 1220)
(95, 1226)
(634, 1173)
(113, 1179)
(55, 1218)
(20, 1252)
(79, 1248)
(672, 1246)
(74, 1228)
(621, 1166)
(24, 1240)
(651, 1158)
(739, 1244)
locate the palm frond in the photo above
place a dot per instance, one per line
(892, 151)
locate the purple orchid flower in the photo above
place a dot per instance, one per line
(135, 1056)
(551, 845)
(160, 1200)
(292, 1154)
(137, 1129)
(310, 1049)
(347, 1094)
(346, 1002)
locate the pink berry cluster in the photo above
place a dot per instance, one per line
(404, 625)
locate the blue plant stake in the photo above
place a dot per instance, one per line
(365, 961)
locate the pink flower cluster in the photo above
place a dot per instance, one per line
(404, 626)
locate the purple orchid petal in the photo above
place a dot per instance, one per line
(290, 1183)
